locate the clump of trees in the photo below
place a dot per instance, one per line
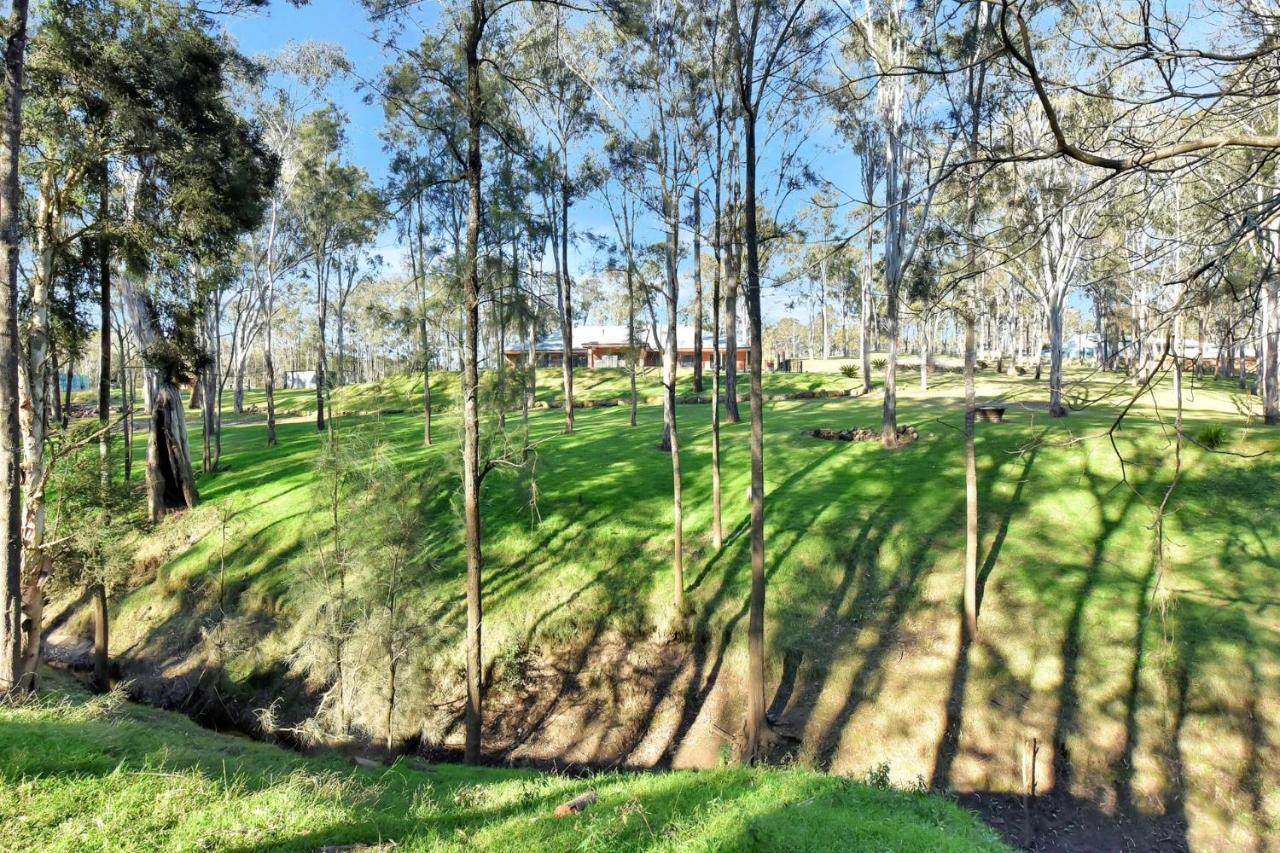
(1000, 206)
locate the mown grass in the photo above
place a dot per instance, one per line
(1150, 688)
(403, 393)
(79, 773)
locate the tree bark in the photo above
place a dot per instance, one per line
(864, 292)
(101, 639)
(33, 403)
(171, 484)
(697, 290)
(889, 411)
(1056, 408)
(758, 734)
(731, 331)
(566, 296)
(671, 359)
(471, 476)
(322, 300)
(1270, 367)
(10, 439)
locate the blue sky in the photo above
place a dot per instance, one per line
(344, 23)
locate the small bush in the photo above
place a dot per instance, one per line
(849, 371)
(878, 776)
(1211, 436)
(879, 363)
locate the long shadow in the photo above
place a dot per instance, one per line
(703, 680)
(887, 628)
(859, 565)
(1067, 716)
(953, 721)
(1124, 769)
(949, 743)
(1002, 530)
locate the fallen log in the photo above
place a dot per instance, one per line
(576, 805)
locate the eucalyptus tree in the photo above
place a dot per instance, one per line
(1221, 101)
(776, 46)
(450, 86)
(281, 104)
(143, 86)
(642, 79)
(1056, 213)
(338, 210)
(622, 199)
(412, 175)
(15, 47)
(561, 104)
(889, 38)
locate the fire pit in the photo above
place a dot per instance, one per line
(991, 414)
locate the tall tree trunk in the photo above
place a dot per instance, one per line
(977, 78)
(889, 411)
(34, 386)
(633, 348)
(101, 639)
(426, 380)
(1270, 361)
(1054, 311)
(55, 370)
(104, 319)
(10, 438)
(924, 353)
(566, 297)
(237, 388)
(671, 360)
(424, 342)
(717, 532)
(126, 398)
(471, 475)
(864, 293)
(822, 300)
(342, 342)
(697, 290)
(758, 732)
(171, 485)
(732, 259)
(322, 299)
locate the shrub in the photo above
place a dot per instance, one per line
(879, 363)
(1211, 436)
(878, 776)
(849, 371)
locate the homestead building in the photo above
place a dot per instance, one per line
(606, 346)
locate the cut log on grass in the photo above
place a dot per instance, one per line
(576, 805)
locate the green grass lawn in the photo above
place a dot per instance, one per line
(92, 774)
(1169, 711)
(399, 393)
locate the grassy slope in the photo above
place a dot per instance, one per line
(404, 393)
(79, 773)
(1172, 710)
